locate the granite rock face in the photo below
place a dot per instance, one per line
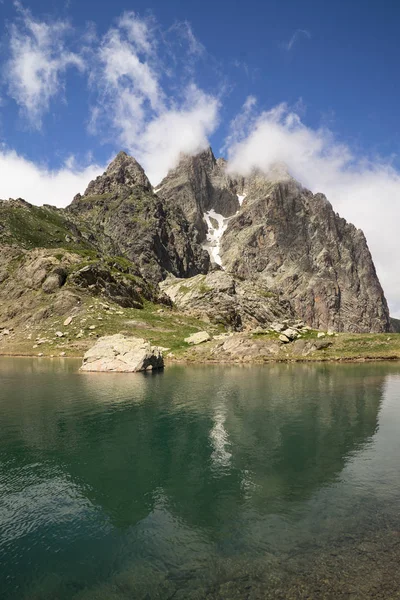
(198, 184)
(285, 240)
(293, 243)
(126, 217)
(221, 298)
(118, 353)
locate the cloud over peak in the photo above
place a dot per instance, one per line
(155, 114)
(366, 192)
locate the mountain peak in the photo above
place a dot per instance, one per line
(123, 172)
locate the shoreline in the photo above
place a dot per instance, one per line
(269, 360)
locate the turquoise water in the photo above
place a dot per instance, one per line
(281, 481)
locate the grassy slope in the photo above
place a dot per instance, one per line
(168, 328)
(37, 227)
(355, 346)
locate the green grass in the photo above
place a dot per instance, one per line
(33, 227)
(184, 289)
(167, 329)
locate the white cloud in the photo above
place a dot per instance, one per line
(295, 37)
(133, 79)
(365, 192)
(183, 33)
(39, 59)
(184, 129)
(21, 178)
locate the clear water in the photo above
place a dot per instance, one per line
(281, 481)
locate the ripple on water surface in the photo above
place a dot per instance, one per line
(204, 482)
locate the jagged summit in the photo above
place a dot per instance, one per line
(123, 172)
(267, 228)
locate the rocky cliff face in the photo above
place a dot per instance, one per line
(270, 230)
(126, 217)
(199, 184)
(293, 243)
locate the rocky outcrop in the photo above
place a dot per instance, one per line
(127, 218)
(37, 285)
(117, 353)
(100, 281)
(222, 298)
(291, 242)
(198, 184)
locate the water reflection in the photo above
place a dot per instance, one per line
(180, 470)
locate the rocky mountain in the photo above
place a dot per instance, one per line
(293, 243)
(269, 230)
(200, 184)
(237, 252)
(126, 217)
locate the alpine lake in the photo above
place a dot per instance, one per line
(199, 482)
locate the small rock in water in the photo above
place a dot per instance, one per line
(63, 353)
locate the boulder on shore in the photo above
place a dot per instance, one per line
(198, 338)
(121, 354)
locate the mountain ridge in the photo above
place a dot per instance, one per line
(284, 249)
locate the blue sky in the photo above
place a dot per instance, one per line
(344, 69)
(312, 84)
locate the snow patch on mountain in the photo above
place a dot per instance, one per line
(241, 198)
(216, 224)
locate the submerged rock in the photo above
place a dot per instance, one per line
(118, 353)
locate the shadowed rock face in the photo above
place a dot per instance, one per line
(127, 218)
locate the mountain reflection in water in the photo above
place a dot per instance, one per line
(196, 482)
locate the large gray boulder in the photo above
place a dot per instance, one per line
(117, 353)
